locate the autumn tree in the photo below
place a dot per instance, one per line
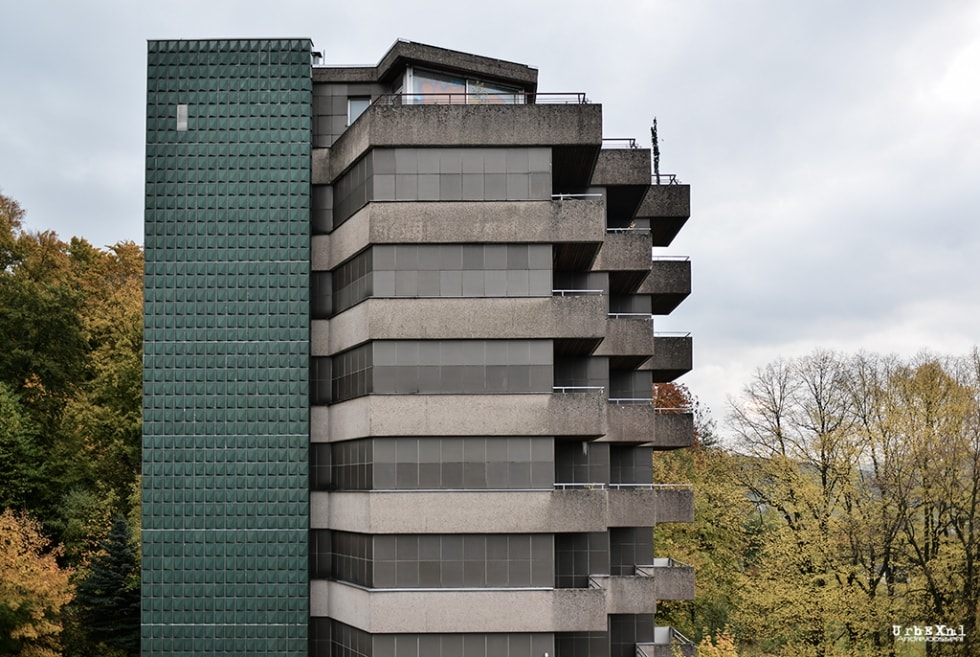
(714, 544)
(70, 379)
(33, 589)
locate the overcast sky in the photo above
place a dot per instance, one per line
(832, 148)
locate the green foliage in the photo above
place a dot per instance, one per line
(70, 379)
(22, 468)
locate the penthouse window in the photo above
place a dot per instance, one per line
(432, 87)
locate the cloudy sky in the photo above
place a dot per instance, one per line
(833, 148)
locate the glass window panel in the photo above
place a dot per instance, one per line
(450, 160)
(406, 284)
(451, 284)
(494, 160)
(518, 283)
(428, 187)
(472, 160)
(473, 283)
(473, 187)
(406, 187)
(383, 160)
(495, 256)
(428, 160)
(356, 106)
(406, 160)
(384, 283)
(495, 187)
(429, 257)
(450, 187)
(496, 284)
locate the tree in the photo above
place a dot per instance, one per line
(22, 469)
(714, 544)
(33, 589)
(108, 598)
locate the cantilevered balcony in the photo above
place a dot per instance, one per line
(582, 414)
(625, 250)
(577, 222)
(573, 128)
(576, 508)
(667, 642)
(674, 580)
(644, 505)
(638, 421)
(668, 207)
(668, 283)
(664, 579)
(672, 356)
(462, 318)
(629, 340)
(412, 611)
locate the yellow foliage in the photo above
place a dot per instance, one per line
(722, 646)
(33, 588)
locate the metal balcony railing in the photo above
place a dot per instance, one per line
(573, 389)
(665, 179)
(482, 98)
(574, 197)
(573, 292)
(619, 142)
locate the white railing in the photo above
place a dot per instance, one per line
(573, 292)
(573, 389)
(574, 197)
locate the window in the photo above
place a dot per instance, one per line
(442, 88)
(356, 106)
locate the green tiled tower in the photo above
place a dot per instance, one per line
(226, 416)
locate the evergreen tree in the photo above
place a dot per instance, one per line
(108, 597)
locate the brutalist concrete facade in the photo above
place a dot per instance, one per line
(475, 371)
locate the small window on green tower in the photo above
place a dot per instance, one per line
(181, 118)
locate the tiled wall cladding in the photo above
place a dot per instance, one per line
(225, 483)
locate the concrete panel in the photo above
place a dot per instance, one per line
(628, 595)
(320, 252)
(319, 424)
(673, 581)
(456, 611)
(627, 250)
(466, 125)
(460, 512)
(672, 357)
(464, 318)
(573, 414)
(668, 284)
(627, 336)
(644, 424)
(423, 222)
(666, 201)
(645, 507)
(673, 430)
(622, 166)
(320, 163)
(668, 208)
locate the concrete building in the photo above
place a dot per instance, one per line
(399, 349)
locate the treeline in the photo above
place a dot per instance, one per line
(840, 512)
(70, 432)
